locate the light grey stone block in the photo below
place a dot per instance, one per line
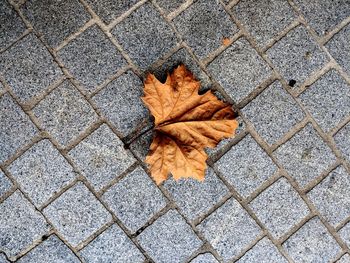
(344, 259)
(342, 140)
(5, 183)
(344, 233)
(205, 258)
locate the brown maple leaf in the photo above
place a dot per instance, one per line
(185, 123)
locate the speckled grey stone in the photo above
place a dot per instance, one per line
(65, 113)
(229, 229)
(20, 223)
(5, 183)
(312, 243)
(328, 100)
(41, 171)
(263, 252)
(52, 250)
(305, 156)
(204, 258)
(264, 19)
(297, 56)
(77, 214)
(331, 196)
(323, 16)
(92, 58)
(55, 20)
(339, 48)
(112, 245)
(273, 113)
(195, 198)
(344, 259)
(121, 104)
(101, 157)
(135, 199)
(244, 69)
(140, 146)
(169, 239)
(279, 207)
(3, 259)
(2, 88)
(342, 140)
(204, 25)
(12, 27)
(28, 68)
(16, 129)
(344, 233)
(145, 36)
(170, 5)
(109, 10)
(246, 166)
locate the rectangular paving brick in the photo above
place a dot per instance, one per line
(21, 225)
(204, 258)
(41, 172)
(264, 19)
(77, 214)
(135, 199)
(65, 113)
(101, 157)
(28, 68)
(297, 56)
(246, 166)
(344, 233)
(150, 38)
(195, 198)
(3, 259)
(169, 239)
(331, 196)
(204, 25)
(305, 156)
(312, 243)
(279, 208)
(273, 113)
(140, 146)
(16, 129)
(342, 140)
(51, 250)
(170, 5)
(121, 104)
(91, 58)
(344, 259)
(5, 183)
(244, 70)
(229, 229)
(112, 245)
(328, 100)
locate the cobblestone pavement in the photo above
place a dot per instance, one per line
(74, 133)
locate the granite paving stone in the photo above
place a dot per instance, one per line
(205, 258)
(204, 25)
(28, 68)
(264, 19)
(344, 233)
(305, 156)
(273, 113)
(312, 243)
(21, 225)
(342, 140)
(120, 103)
(229, 229)
(3, 259)
(170, 5)
(297, 56)
(65, 113)
(328, 100)
(135, 199)
(41, 172)
(264, 252)
(244, 70)
(5, 183)
(195, 198)
(279, 208)
(52, 250)
(246, 166)
(2, 88)
(169, 239)
(77, 214)
(331, 196)
(323, 16)
(344, 259)
(91, 58)
(12, 27)
(339, 48)
(112, 245)
(16, 129)
(101, 157)
(145, 36)
(141, 145)
(55, 20)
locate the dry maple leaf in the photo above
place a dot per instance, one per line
(185, 123)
